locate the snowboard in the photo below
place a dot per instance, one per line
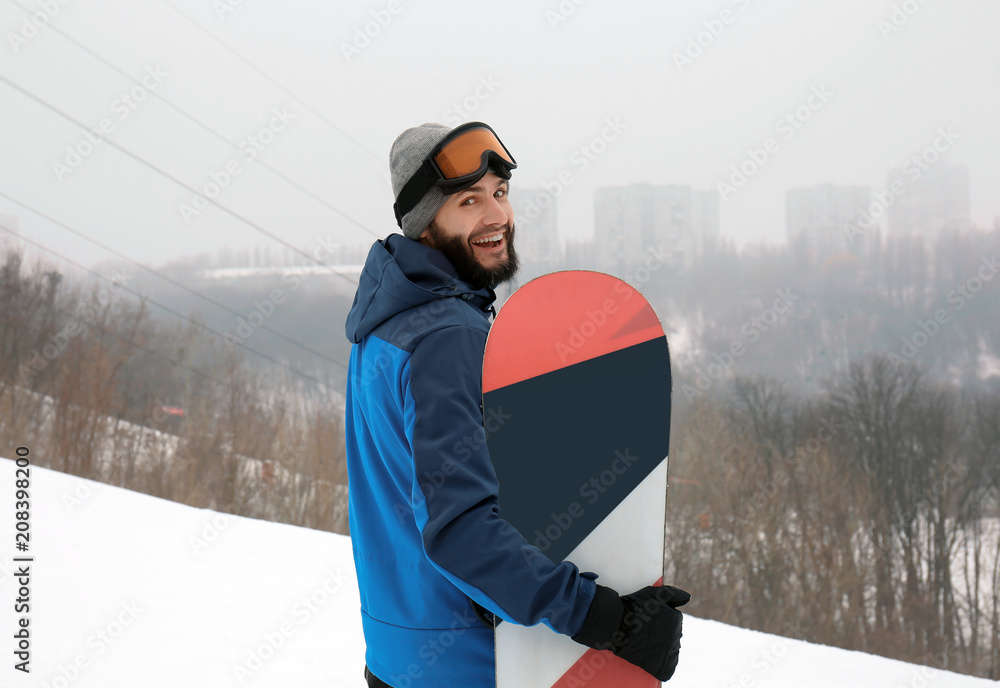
(576, 382)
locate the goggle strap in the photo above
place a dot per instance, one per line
(409, 196)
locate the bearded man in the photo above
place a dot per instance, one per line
(433, 555)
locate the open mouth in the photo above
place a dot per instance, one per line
(489, 241)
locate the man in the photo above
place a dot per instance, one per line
(430, 547)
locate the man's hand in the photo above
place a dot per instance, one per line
(643, 628)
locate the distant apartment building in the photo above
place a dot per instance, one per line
(704, 220)
(537, 237)
(630, 221)
(826, 220)
(934, 199)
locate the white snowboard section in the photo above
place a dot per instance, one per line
(626, 550)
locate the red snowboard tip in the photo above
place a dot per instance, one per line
(622, 319)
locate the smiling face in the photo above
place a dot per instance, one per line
(475, 230)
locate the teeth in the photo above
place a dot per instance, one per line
(496, 237)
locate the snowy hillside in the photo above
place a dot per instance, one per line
(128, 590)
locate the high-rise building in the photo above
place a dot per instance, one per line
(705, 220)
(630, 221)
(537, 238)
(823, 221)
(934, 200)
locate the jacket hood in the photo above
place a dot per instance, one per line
(399, 274)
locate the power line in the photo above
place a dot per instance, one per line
(167, 278)
(168, 309)
(180, 183)
(176, 364)
(204, 126)
(271, 80)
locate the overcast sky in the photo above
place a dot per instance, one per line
(590, 91)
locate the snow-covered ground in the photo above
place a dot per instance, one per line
(129, 590)
(280, 271)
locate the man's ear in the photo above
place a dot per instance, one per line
(425, 237)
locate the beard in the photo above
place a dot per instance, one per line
(462, 256)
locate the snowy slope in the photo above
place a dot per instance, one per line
(128, 590)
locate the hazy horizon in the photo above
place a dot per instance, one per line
(594, 93)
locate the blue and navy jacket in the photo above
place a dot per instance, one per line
(425, 519)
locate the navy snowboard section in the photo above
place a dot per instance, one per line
(581, 439)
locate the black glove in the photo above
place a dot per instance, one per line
(643, 628)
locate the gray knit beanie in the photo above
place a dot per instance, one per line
(407, 154)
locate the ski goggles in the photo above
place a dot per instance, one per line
(459, 161)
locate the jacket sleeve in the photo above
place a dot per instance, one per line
(455, 494)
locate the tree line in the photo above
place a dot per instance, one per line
(864, 516)
(101, 389)
(825, 485)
